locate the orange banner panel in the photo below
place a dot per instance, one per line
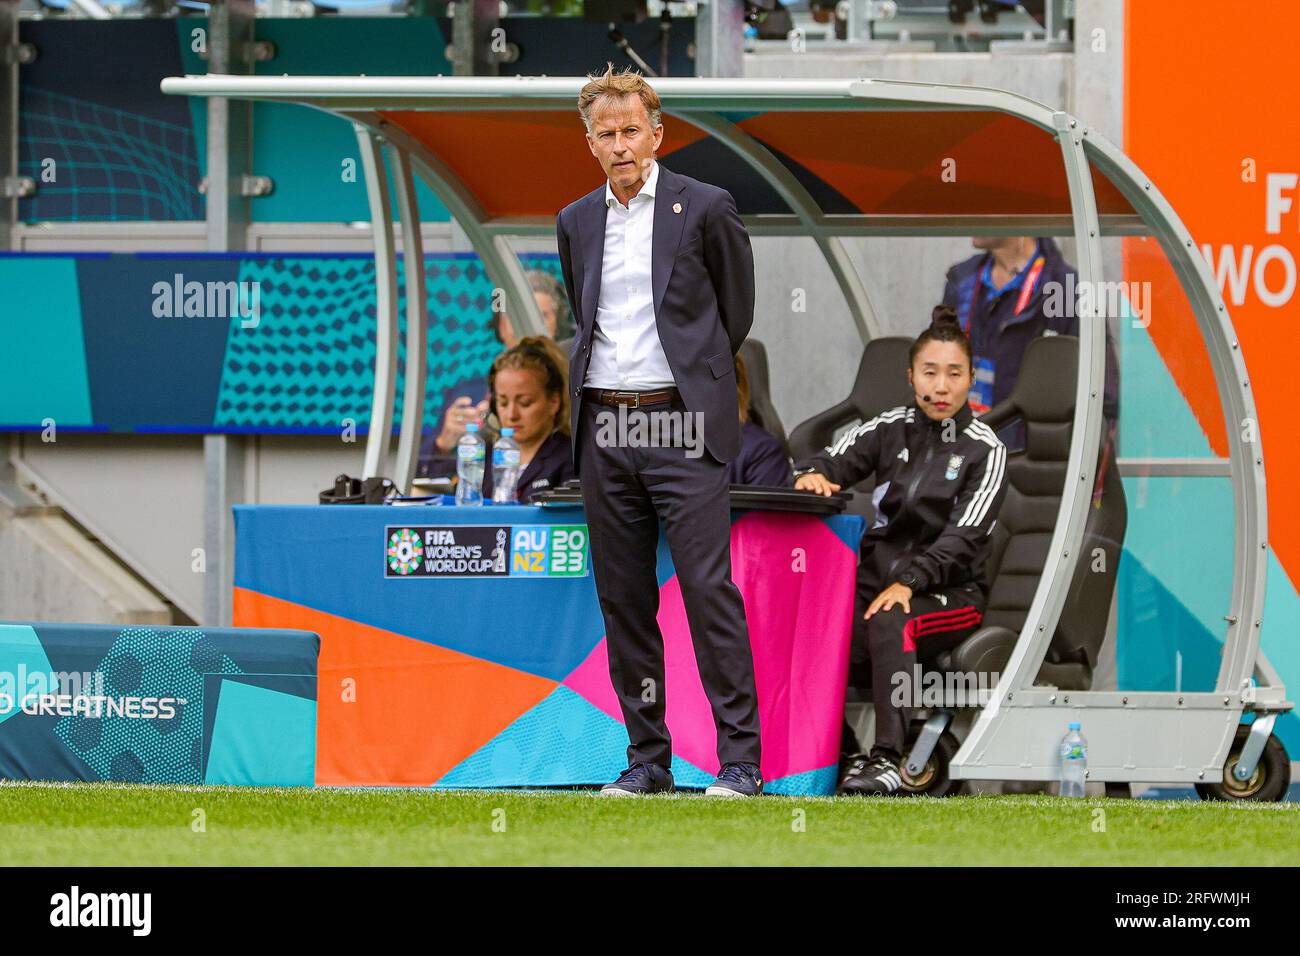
(1210, 117)
(391, 710)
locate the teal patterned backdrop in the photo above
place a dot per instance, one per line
(101, 359)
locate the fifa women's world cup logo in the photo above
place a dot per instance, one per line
(405, 551)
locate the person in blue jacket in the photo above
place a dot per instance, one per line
(1014, 290)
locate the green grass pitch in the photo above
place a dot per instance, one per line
(119, 824)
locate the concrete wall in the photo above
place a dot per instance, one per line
(50, 571)
(142, 496)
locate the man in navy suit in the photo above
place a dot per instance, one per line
(660, 275)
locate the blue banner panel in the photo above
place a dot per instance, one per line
(140, 704)
(43, 379)
(153, 363)
(232, 343)
(307, 553)
(95, 131)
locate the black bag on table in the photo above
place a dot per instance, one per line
(358, 491)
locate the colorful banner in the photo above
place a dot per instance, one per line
(239, 343)
(145, 704)
(1226, 154)
(485, 551)
(502, 679)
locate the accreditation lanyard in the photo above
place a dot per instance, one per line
(1026, 291)
(984, 369)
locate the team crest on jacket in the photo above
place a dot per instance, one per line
(954, 463)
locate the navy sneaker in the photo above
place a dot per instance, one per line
(638, 780)
(874, 776)
(736, 780)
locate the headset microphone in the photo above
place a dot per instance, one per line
(926, 399)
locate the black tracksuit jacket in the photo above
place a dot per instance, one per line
(939, 486)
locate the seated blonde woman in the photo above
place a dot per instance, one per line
(528, 388)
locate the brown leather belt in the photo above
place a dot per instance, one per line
(609, 396)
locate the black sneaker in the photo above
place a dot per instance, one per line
(850, 763)
(736, 780)
(876, 776)
(638, 780)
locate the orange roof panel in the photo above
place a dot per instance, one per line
(866, 162)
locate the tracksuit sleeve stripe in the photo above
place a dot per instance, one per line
(984, 483)
(994, 467)
(853, 434)
(994, 488)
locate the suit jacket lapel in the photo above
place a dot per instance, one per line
(667, 231)
(592, 242)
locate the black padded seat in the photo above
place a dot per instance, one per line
(1043, 398)
(880, 384)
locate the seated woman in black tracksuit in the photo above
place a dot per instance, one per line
(938, 475)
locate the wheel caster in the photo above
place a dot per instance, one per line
(1267, 784)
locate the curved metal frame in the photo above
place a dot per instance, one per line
(379, 437)
(499, 260)
(1067, 536)
(1246, 463)
(502, 266)
(793, 193)
(1008, 740)
(417, 327)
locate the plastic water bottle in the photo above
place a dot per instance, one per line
(1074, 762)
(470, 452)
(505, 466)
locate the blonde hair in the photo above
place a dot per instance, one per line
(627, 83)
(542, 355)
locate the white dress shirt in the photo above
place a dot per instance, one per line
(626, 352)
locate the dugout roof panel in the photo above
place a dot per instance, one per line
(861, 156)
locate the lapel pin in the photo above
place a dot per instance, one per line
(677, 207)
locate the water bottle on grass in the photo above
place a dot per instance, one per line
(1074, 762)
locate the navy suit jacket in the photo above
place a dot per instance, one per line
(702, 280)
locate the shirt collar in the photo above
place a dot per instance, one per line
(647, 189)
(986, 274)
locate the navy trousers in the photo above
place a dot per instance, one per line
(630, 491)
